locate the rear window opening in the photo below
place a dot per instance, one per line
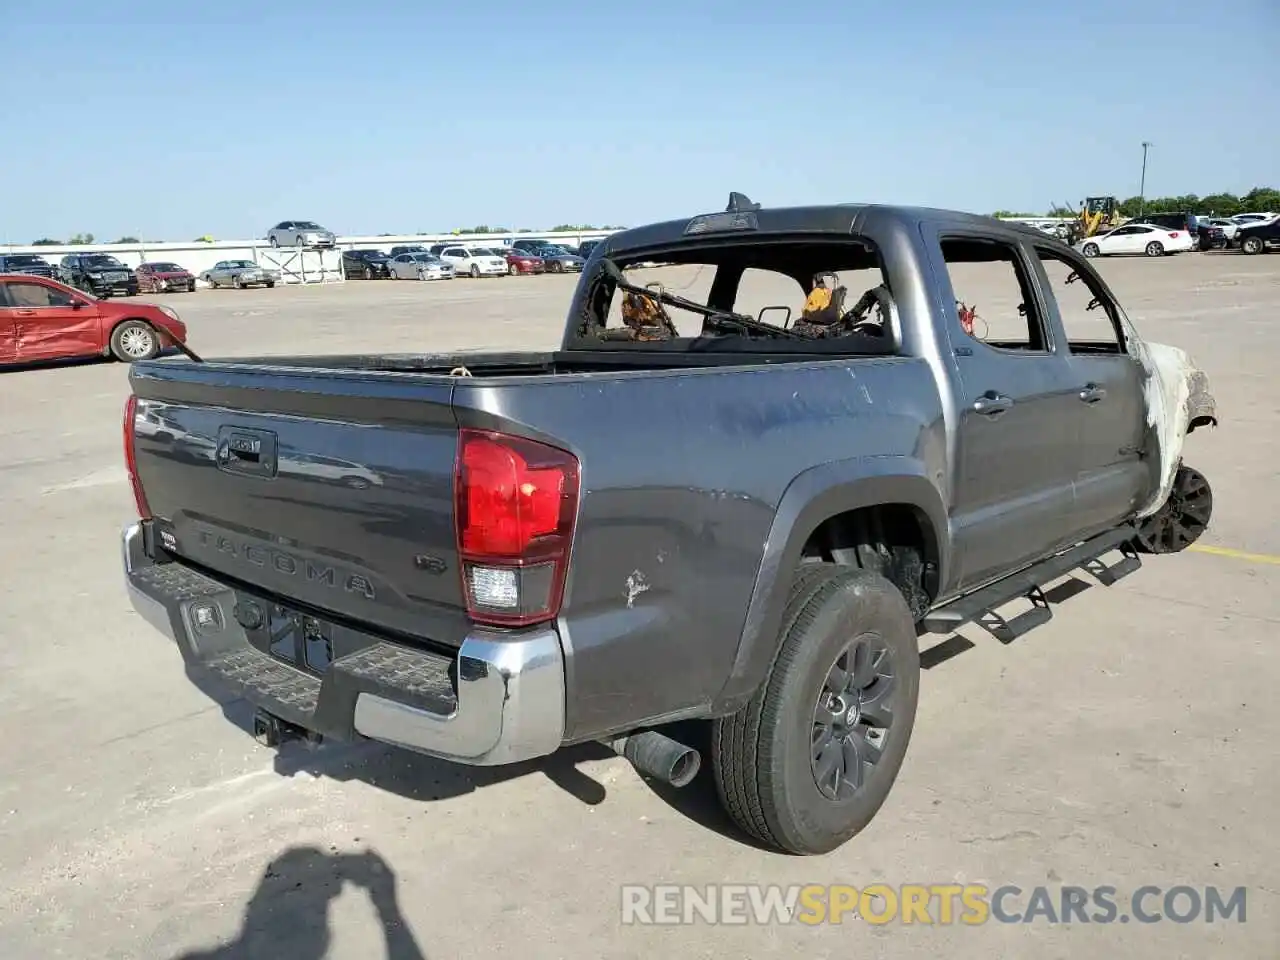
(801, 296)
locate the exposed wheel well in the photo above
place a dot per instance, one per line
(895, 540)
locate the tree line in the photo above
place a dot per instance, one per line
(1259, 199)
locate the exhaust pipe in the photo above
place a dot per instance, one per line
(658, 756)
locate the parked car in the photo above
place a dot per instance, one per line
(410, 248)
(1171, 221)
(419, 266)
(1226, 225)
(98, 273)
(45, 319)
(475, 262)
(163, 276)
(527, 245)
(758, 549)
(585, 248)
(1136, 238)
(366, 264)
(239, 274)
(26, 263)
(518, 261)
(301, 233)
(1259, 237)
(1209, 237)
(1245, 219)
(560, 260)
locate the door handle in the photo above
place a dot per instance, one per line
(992, 404)
(25, 313)
(1092, 393)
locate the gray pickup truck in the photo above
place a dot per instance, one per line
(744, 506)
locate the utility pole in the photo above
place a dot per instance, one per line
(1142, 187)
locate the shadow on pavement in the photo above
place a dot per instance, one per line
(288, 914)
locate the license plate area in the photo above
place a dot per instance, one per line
(302, 640)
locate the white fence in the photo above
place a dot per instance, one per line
(198, 257)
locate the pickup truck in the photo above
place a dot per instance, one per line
(728, 508)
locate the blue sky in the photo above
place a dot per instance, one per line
(172, 120)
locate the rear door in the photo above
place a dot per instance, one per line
(51, 323)
(1108, 412)
(1013, 493)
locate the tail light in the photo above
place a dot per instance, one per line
(131, 458)
(1175, 234)
(515, 502)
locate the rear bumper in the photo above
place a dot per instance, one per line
(500, 700)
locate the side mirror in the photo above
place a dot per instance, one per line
(77, 303)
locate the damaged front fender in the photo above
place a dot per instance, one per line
(1178, 400)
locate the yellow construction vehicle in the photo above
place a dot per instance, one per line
(1096, 215)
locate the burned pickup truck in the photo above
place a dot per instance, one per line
(736, 493)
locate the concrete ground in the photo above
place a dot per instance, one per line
(1129, 742)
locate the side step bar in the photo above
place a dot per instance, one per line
(1029, 581)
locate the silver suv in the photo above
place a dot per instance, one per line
(300, 233)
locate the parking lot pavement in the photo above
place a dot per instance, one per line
(1126, 743)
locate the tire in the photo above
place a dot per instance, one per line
(1181, 519)
(134, 340)
(1155, 249)
(237, 282)
(513, 270)
(1091, 250)
(1252, 246)
(274, 241)
(271, 284)
(368, 273)
(762, 756)
(475, 272)
(213, 284)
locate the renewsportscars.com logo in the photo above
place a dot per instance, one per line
(949, 903)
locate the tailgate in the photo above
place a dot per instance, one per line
(332, 489)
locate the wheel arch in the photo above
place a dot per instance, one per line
(812, 499)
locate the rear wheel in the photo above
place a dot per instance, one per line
(1252, 245)
(1182, 518)
(1155, 249)
(1091, 250)
(513, 269)
(368, 273)
(134, 340)
(809, 761)
(475, 272)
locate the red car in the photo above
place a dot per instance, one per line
(43, 319)
(163, 276)
(518, 261)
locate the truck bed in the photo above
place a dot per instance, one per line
(682, 468)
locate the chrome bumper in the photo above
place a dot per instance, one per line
(500, 700)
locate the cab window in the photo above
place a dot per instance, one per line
(1090, 318)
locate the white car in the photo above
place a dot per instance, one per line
(475, 261)
(1229, 227)
(1137, 238)
(1248, 219)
